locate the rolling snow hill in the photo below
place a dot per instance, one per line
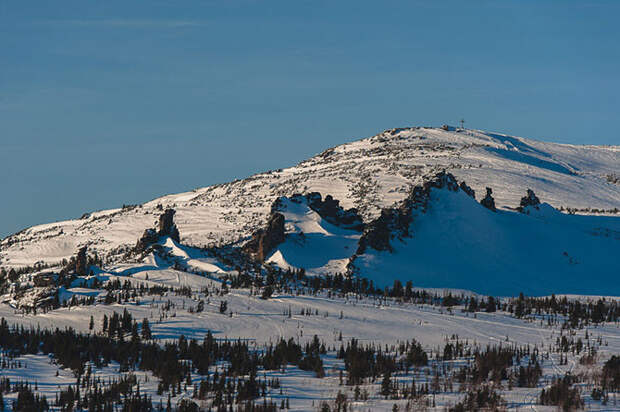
(457, 244)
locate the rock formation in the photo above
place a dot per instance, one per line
(166, 227)
(265, 240)
(395, 222)
(470, 192)
(529, 200)
(81, 262)
(488, 200)
(329, 209)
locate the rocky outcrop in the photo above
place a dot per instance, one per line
(488, 200)
(468, 190)
(529, 200)
(166, 227)
(81, 262)
(265, 240)
(329, 209)
(395, 222)
(77, 265)
(148, 238)
(379, 232)
(441, 180)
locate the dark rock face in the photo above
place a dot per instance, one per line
(166, 227)
(265, 240)
(81, 262)
(470, 192)
(329, 209)
(379, 232)
(395, 222)
(441, 180)
(148, 238)
(488, 200)
(528, 200)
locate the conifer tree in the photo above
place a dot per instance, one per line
(146, 329)
(386, 384)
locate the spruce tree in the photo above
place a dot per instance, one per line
(386, 384)
(146, 329)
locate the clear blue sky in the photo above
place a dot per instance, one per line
(111, 102)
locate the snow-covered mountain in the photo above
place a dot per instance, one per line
(451, 242)
(180, 301)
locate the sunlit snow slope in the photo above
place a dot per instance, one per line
(368, 174)
(313, 243)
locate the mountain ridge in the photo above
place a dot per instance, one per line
(369, 175)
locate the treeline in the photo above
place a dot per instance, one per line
(122, 341)
(296, 281)
(502, 363)
(370, 361)
(27, 399)
(576, 313)
(563, 394)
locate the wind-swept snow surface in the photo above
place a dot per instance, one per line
(458, 243)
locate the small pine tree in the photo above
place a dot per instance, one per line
(267, 292)
(223, 306)
(386, 384)
(491, 306)
(146, 329)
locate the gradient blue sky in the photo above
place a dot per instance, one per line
(111, 102)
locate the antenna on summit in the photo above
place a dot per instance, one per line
(463, 124)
